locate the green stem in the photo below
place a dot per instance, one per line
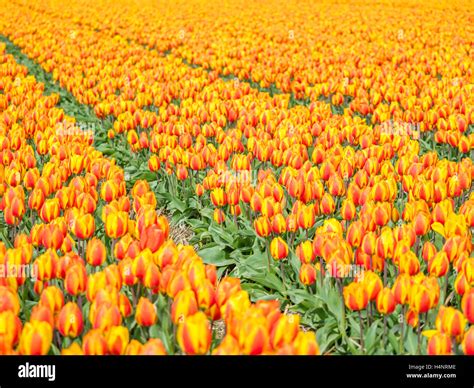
(282, 270)
(143, 333)
(269, 256)
(112, 248)
(369, 313)
(402, 329)
(59, 342)
(343, 315)
(321, 275)
(418, 347)
(134, 296)
(361, 325)
(446, 285)
(384, 331)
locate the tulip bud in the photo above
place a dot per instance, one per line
(229, 346)
(9, 300)
(70, 321)
(219, 216)
(211, 273)
(141, 263)
(52, 236)
(278, 224)
(369, 243)
(262, 226)
(409, 264)
(96, 252)
(36, 338)
(421, 223)
(181, 172)
(356, 296)
(450, 321)
(154, 163)
(386, 244)
(327, 205)
(439, 264)
(46, 264)
(468, 342)
(412, 317)
(153, 347)
(199, 190)
(284, 330)
(372, 283)
(218, 197)
(52, 297)
(94, 343)
(126, 271)
(117, 340)
(194, 334)
(116, 224)
(121, 247)
(146, 313)
(226, 288)
(134, 348)
(381, 215)
(104, 316)
(355, 233)
(467, 305)
(152, 237)
(348, 210)
(178, 282)
(307, 274)
(278, 248)
(184, 304)
(305, 344)
(10, 330)
(50, 210)
(428, 251)
(73, 350)
(125, 306)
(109, 190)
(152, 277)
(461, 285)
(386, 301)
(291, 223)
(36, 199)
(83, 226)
(253, 336)
(420, 299)
(76, 279)
(401, 288)
(439, 344)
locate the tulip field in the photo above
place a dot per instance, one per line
(209, 177)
